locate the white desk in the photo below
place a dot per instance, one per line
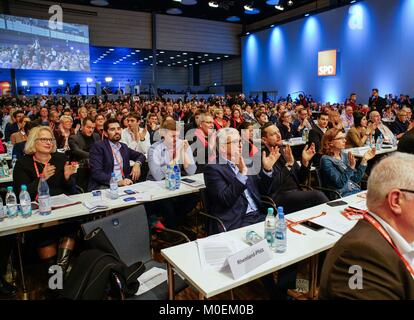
(294, 142)
(359, 152)
(155, 188)
(6, 179)
(184, 258)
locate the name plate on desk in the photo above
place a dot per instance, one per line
(249, 259)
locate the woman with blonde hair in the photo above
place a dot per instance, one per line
(63, 132)
(41, 159)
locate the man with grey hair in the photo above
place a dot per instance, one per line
(232, 194)
(380, 248)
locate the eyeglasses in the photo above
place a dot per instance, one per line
(239, 142)
(406, 190)
(46, 140)
(340, 138)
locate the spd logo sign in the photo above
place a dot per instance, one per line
(327, 63)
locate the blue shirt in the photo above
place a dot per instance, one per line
(251, 207)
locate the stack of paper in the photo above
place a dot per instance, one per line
(150, 279)
(95, 205)
(61, 201)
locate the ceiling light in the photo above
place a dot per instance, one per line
(185, 53)
(128, 55)
(185, 60)
(171, 57)
(196, 63)
(46, 83)
(203, 61)
(248, 7)
(111, 49)
(247, 33)
(162, 52)
(169, 65)
(174, 11)
(60, 82)
(161, 61)
(137, 50)
(89, 80)
(179, 62)
(210, 59)
(290, 3)
(24, 83)
(191, 58)
(213, 4)
(226, 56)
(199, 57)
(280, 7)
(218, 58)
(145, 58)
(150, 56)
(307, 15)
(133, 53)
(108, 79)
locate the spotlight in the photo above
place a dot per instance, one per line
(290, 3)
(213, 4)
(280, 7)
(24, 83)
(89, 80)
(248, 7)
(60, 82)
(108, 79)
(46, 83)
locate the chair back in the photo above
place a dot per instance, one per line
(128, 232)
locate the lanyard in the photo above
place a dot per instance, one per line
(387, 237)
(37, 170)
(119, 162)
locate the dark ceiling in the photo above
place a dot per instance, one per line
(200, 8)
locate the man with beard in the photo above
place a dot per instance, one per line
(109, 156)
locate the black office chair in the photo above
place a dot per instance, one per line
(129, 234)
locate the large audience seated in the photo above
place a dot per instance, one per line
(242, 147)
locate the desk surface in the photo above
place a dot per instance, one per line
(184, 258)
(155, 188)
(359, 152)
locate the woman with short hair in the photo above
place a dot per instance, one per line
(339, 172)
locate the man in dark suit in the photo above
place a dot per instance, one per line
(288, 175)
(316, 135)
(234, 196)
(109, 156)
(80, 144)
(375, 260)
(375, 102)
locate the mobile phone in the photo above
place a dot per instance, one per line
(188, 180)
(337, 203)
(130, 199)
(312, 225)
(129, 191)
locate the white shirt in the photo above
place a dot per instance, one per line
(141, 146)
(406, 249)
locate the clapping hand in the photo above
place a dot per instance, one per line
(290, 160)
(69, 170)
(49, 171)
(269, 161)
(242, 166)
(369, 154)
(351, 160)
(308, 153)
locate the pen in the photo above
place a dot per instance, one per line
(330, 233)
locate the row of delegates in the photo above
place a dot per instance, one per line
(170, 150)
(235, 197)
(41, 158)
(112, 156)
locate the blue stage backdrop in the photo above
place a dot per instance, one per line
(375, 43)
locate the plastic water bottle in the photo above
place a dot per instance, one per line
(25, 202)
(11, 203)
(2, 212)
(6, 170)
(113, 187)
(14, 160)
(280, 239)
(9, 147)
(270, 228)
(394, 141)
(305, 134)
(45, 207)
(177, 176)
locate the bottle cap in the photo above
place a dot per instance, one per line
(113, 174)
(10, 188)
(270, 210)
(23, 187)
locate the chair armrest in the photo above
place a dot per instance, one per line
(214, 218)
(182, 234)
(269, 202)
